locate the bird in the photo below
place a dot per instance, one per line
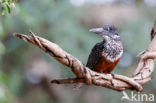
(106, 54)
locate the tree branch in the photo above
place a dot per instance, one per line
(85, 75)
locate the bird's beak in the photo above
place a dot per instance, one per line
(96, 30)
(99, 31)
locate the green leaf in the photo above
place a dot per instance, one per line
(3, 1)
(2, 11)
(10, 1)
(8, 7)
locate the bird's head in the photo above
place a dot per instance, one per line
(107, 32)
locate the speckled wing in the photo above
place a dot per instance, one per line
(94, 56)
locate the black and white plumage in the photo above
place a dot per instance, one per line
(111, 47)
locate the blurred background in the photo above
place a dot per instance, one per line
(26, 71)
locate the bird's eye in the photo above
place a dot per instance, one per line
(110, 29)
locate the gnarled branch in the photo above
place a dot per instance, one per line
(85, 75)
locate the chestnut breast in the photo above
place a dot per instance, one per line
(104, 65)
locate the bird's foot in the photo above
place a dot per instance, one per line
(112, 73)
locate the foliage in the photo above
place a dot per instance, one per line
(6, 5)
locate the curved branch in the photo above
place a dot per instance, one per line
(85, 75)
